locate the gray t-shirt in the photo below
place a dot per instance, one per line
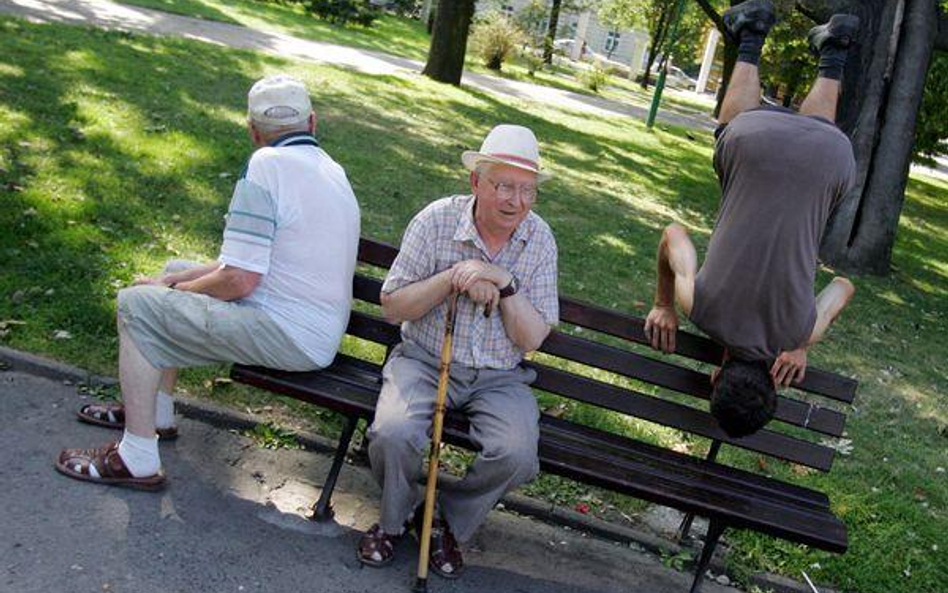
(781, 176)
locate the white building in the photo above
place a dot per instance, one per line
(590, 38)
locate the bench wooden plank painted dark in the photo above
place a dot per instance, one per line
(728, 496)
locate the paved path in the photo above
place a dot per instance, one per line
(107, 14)
(231, 519)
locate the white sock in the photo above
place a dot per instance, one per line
(164, 410)
(140, 454)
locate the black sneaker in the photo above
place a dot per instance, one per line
(758, 15)
(838, 32)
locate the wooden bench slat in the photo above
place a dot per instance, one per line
(377, 253)
(668, 413)
(818, 529)
(616, 324)
(664, 374)
(617, 444)
(373, 328)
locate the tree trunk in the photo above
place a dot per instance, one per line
(551, 32)
(449, 41)
(900, 39)
(658, 38)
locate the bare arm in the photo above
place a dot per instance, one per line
(413, 301)
(677, 266)
(522, 322)
(182, 276)
(226, 283)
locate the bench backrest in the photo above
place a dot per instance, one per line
(811, 417)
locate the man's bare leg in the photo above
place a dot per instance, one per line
(677, 268)
(822, 99)
(747, 23)
(831, 42)
(829, 304)
(743, 92)
(139, 380)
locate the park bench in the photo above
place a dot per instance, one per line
(726, 495)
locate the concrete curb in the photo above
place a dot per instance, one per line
(229, 419)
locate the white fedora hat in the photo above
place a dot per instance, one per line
(508, 145)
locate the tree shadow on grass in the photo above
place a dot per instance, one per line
(101, 201)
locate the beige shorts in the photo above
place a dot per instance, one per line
(179, 329)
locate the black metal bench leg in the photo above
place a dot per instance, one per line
(715, 529)
(685, 526)
(322, 510)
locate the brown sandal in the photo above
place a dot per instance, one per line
(444, 557)
(76, 463)
(112, 415)
(376, 548)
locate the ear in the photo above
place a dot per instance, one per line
(312, 122)
(475, 181)
(255, 135)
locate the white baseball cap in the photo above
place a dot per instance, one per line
(508, 145)
(278, 100)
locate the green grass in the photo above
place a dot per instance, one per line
(390, 34)
(115, 156)
(407, 38)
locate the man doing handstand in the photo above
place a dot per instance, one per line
(781, 173)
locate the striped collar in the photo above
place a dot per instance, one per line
(295, 139)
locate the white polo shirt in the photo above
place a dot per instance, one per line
(294, 219)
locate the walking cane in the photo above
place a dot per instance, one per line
(421, 583)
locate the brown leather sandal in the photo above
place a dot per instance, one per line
(112, 415)
(444, 557)
(76, 463)
(376, 548)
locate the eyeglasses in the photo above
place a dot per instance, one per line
(508, 190)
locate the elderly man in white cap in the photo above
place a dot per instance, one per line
(278, 295)
(493, 249)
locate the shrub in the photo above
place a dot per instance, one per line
(494, 38)
(409, 8)
(533, 60)
(343, 12)
(595, 77)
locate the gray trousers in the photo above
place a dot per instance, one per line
(504, 420)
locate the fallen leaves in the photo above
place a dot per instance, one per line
(842, 446)
(7, 325)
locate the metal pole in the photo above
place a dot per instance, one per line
(660, 84)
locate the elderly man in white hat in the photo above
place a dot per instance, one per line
(278, 295)
(493, 249)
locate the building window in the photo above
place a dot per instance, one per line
(612, 41)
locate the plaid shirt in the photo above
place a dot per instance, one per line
(444, 234)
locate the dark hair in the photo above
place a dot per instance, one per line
(743, 399)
